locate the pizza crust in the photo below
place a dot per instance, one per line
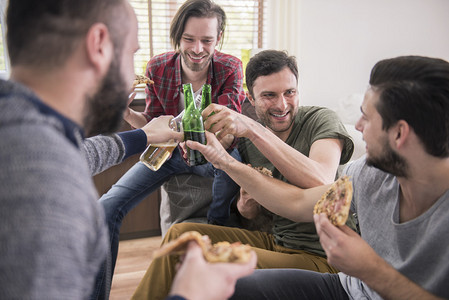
(219, 252)
(264, 171)
(336, 201)
(141, 81)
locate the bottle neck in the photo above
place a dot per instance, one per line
(181, 104)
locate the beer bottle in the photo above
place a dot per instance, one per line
(206, 96)
(155, 155)
(192, 124)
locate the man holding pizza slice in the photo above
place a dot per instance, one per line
(401, 196)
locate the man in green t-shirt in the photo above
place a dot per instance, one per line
(300, 145)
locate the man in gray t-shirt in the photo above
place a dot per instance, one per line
(401, 197)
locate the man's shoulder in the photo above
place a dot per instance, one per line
(364, 174)
(225, 60)
(165, 59)
(318, 120)
(316, 111)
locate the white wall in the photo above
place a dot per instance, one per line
(337, 42)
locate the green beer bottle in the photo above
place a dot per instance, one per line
(192, 124)
(206, 96)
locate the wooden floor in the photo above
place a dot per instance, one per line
(133, 259)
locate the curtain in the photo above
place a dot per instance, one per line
(283, 25)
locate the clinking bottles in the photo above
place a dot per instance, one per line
(192, 124)
(155, 155)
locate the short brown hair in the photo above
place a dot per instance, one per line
(268, 62)
(199, 9)
(46, 32)
(415, 89)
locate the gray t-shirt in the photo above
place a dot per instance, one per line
(417, 248)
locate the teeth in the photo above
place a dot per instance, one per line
(196, 57)
(279, 116)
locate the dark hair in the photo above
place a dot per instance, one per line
(199, 9)
(268, 62)
(46, 32)
(415, 89)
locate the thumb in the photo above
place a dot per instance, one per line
(194, 251)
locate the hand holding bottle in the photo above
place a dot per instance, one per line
(160, 149)
(163, 129)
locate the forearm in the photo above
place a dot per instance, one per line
(275, 195)
(227, 141)
(391, 284)
(103, 152)
(297, 168)
(135, 119)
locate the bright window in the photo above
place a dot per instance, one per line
(2, 51)
(245, 28)
(4, 63)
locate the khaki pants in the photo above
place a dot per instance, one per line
(158, 279)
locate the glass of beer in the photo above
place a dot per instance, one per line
(157, 154)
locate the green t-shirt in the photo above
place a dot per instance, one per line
(311, 124)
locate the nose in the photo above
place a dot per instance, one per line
(282, 103)
(359, 125)
(198, 47)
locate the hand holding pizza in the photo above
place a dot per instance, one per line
(198, 279)
(246, 205)
(346, 250)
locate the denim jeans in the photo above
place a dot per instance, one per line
(140, 182)
(284, 284)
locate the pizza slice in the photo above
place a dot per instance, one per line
(140, 81)
(335, 203)
(219, 252)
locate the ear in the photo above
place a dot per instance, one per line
(219, 37)
(250, 98)
(400, 133)
(99, 48)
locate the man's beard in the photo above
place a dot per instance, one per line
(105, 109)
(389, 161)
(265, 119)
(195, 66)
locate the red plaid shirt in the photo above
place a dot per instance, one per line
(225, 76)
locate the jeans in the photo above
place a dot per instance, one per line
(289, 284)
(140, 182)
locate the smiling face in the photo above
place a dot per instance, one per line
(198, 43)
(276, 100)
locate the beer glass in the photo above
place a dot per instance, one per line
(157, 154)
